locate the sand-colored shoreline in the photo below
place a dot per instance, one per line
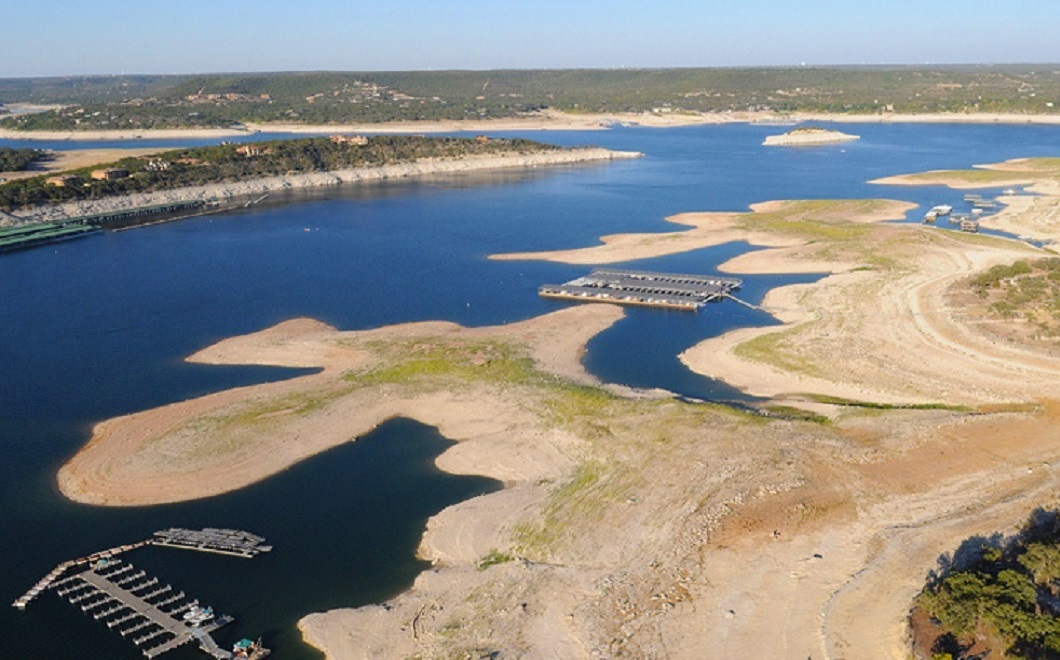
(909, 347)
(1032, 206)
(552, 120)
(710, 229)
(652, 527)
(543, 121)
(165, 455)
(59, 161)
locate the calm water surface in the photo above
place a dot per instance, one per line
(98, 327)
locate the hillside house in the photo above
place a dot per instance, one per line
(109, 174)
(63, 181)
(356, 140)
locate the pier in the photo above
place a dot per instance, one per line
(630, 287)
(41, 233)
(153, 629)
(138, 213)
(57, 572)
(27, 236)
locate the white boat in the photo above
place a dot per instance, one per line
(941, 209)
(198, 615)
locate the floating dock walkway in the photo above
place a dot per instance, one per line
(234, 542)
(631, 287)
(154, 627)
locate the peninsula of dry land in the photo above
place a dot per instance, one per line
(637, 524)
(219, 173)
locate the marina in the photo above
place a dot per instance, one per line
(630, 287)
(154, 617)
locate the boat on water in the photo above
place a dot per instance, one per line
(250, 649)
(941, 210)
(198, 615)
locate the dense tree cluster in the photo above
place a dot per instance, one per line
(230, 162)
(16, 160)
(1001, 594)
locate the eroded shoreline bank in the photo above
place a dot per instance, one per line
(226, 191)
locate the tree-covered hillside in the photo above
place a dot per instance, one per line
(142, 102)
(230, 162)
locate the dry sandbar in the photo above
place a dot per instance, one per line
(808, 137)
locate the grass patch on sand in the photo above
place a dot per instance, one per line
(795, 414)
(774, 349)
(815, 219)
(493, 558)
(442, 361)
(872, 405)
(580, 500)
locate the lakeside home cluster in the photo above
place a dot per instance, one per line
(631, 287)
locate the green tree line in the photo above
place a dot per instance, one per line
(16, 160)
(205, 165)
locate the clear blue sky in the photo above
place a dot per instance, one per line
(58, 37)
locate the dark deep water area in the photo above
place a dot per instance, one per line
(99, 327)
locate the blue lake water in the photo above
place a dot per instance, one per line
(98, 327)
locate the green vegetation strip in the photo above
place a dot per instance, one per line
(229, 162)
(852, 403)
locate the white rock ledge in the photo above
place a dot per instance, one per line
(227, 190)
(807, 137)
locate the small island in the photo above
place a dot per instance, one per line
(807, 136)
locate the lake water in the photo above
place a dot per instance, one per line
(98, 327)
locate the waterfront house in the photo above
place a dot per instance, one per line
(109, 174)
(251, 150)
(356, 140)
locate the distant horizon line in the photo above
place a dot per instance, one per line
(924, 65)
